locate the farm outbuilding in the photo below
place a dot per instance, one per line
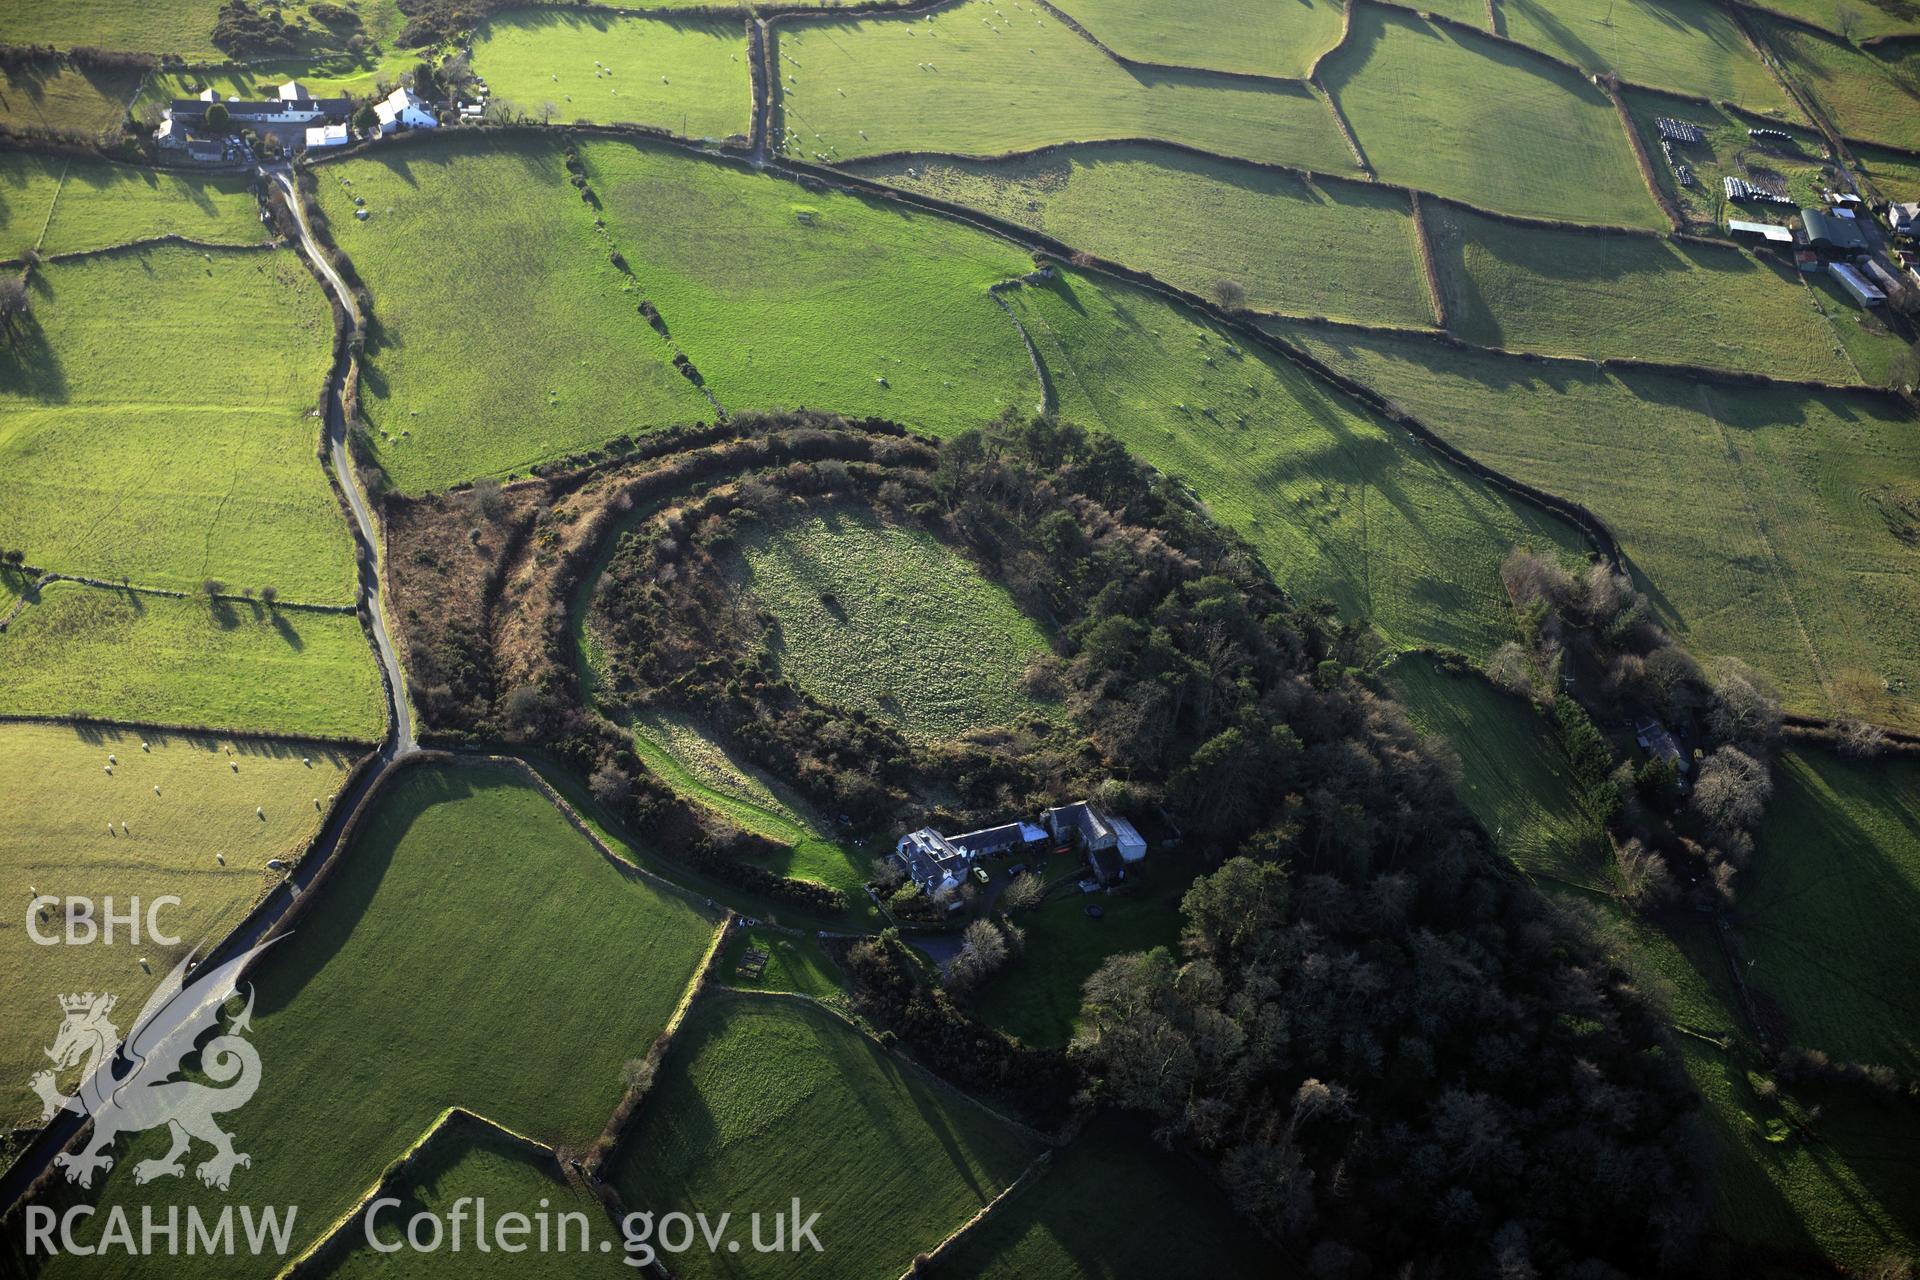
(1759, 232)
(1904, 219)
(1857, 285)
(1833, 231)
(320, 137)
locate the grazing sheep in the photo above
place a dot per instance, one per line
(107, 769)
(307, 761)
(113, 759)
(145, 747)
(156, 788)
(220, 858)
(123, 826)
(234, 765)
(260, 812)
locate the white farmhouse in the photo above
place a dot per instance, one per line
(404, 109)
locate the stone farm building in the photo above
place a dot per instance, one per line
(1110, 843)
(939, 863)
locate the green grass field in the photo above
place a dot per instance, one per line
(502, 333)
(785, 297)
(1689, 46)
(179, 27)
(1577, 294)
(765, 1098)
(970, 81)
(1037, 997)
(328, 75)
(1514, 776)
(468, 1158)
(1849, 1196)
(232, 665)
(1220, 35)
(62, 204)
(464, 879)
(1896, 174)
(678, 750)
(887, 619)
(1879, 18)
(1529, 138)
(55, 839)
(1870, 93)
(687, 77)
(124, 454)
(57, 95)
(1298, 246)
(1775, 527)
(1340, 505)
(1828, 902)
(795, 963)
(1112, 1206)
(108, 204)
(1728, 152)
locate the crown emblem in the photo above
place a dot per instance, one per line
(81, 1003)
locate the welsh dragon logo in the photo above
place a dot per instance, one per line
(131, 1088)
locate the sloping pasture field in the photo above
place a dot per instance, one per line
(788, 297)
(1690, 46)
(126, 452)
(55, 839)
(1246, 36)
(1298, 245)
(180, 26)
(888, 620)
(795, 963)
(502, 334)
(970, 81)
(463, 879)
(1727, 151)
(467, 1158)
(764, 1095)
(1772, 526)
(81, 204)
(1112, 1206)
(1891, 17)
(1339, 504)
(1514, 776)
(1447, 112)
(51, 94)
(124, 655)
(1870, 93)
(689, 77)
(1828, 904)
(1573, 293)
(1895, 173)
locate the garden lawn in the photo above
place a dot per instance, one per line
(889, 620)
(1037, 996)
(790, 298)
(763, 1098)
(1689, 46)
(795, 962)
(1798, 169)
(157, 424)
(1248, 36)
(1449, 112)
(1575, 293)
(228, 664)
(1774, 526)
(53, 94)
(1513, 774)
(1339, 504)
(1827, 906)
(1870, 93)
(1298, 245)
(471, 949)
(688, 77)
(970, 81)
(55, 839)
(466, 1157)
(1112, 1206)
(502, 334)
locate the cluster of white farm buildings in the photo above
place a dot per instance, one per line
(294, 113)
(939, 864)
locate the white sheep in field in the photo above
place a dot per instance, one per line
(220, 858)
(145, 747)
(260, 812)
(113, 759)
(156, 788)
(108, 769)
(123, 826)
(307, 761)
(234, 765)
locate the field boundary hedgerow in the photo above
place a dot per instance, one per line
(334, 1237)
(1429, 267)
(1640, 157)
(1038, 1169)
(1346, 32)
(148, 242)
(1346, 129)
(1072, 24)
(620, 1119)
(1049, 402)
